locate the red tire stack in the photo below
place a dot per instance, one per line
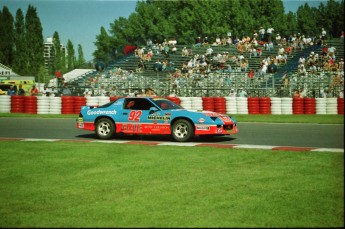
(298, 106)
(253, 105)
(17, 104)
(67, 105)
(309, 106)
(175, 100)
(220, 105)
(30, 104)
(340, 105)
(265, 105)
(208, 103)
(78, 103)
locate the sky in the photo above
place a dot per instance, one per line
(80, 20)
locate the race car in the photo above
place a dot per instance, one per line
(153, 116)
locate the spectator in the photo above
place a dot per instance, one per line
(11, 91)
(45, 91)
(34, 90)
(157, 67)
(21, 90)
(149, 92)
(242, 93)
(297, 94)
(232, 93)
(269, 32)
(66, 91)
(262, 33)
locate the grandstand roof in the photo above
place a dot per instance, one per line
(76, 73)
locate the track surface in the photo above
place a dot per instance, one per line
(251, 135)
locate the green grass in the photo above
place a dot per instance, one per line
(65, 184)
(320, 119)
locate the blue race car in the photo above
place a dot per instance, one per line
(153, 116)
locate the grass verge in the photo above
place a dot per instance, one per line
(65, 184)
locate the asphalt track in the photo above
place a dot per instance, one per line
(299, 137)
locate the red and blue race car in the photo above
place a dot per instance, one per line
(153, 116)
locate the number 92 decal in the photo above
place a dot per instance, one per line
(134, 116)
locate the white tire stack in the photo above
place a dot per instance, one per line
(5, 104)
(196, 103)
(55, 105)
(320, 106)
(276, 106)
(286, 105)
(92, 101)
(331, 106)
(43, 105)
(242, 105)
(186, 102)
(231, 105)
(103, 100)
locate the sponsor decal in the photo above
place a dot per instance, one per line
(201, 120)
(156, 117)
(101, 112)
(202, 127)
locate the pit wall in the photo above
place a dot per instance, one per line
(223, 105)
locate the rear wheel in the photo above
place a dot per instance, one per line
(182, 130)
(105, 128)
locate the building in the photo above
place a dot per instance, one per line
(49, 53)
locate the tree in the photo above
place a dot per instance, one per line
(6, 37)
(59, 54)
(71, 60)
(104, 46)
(20, 58)
(81, 59)
(34, 42)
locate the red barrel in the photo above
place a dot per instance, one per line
(30, 104)
(309, 106)
(297, 105)
(253, 105)
(17, 104)
(265, 105)
(340, 105)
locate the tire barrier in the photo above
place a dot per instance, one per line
(253, 105)
(309, 106)
(231, 105)
(78, 103)
(17, 104)
(298, 106)
(287, 106)
(67, 104)
(5, 104)
(207, 103)
(174, 99)
(331, 106)
(220, 105)
(276, 106)
(186, 102)
(265, 105)
(223, 105)
(30, 104)
(242, 105)
(340, 105)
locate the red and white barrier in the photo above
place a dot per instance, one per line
(223, 105)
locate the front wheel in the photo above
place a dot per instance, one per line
(182, 130)
(105, 128)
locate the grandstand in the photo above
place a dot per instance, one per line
(123, 77)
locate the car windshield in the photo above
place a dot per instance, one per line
(166, 104)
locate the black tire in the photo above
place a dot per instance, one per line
(105, 128)
(182, 130)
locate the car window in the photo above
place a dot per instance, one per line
(137, 104)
